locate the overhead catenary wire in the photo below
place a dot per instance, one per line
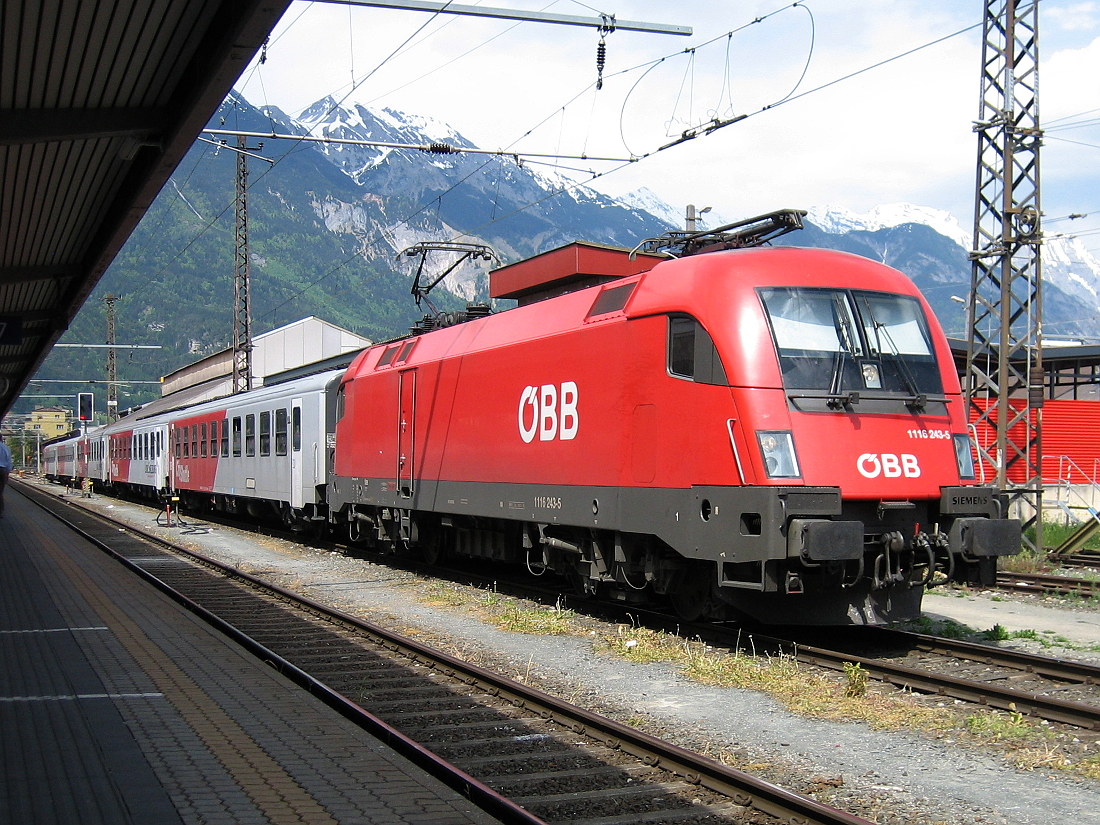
(705, 128)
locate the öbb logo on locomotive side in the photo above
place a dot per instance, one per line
(888, 465)
(549, 412)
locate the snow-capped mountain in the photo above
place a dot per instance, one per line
(1067, 263)
(647, 200)
(1070, 271)
(404, 196)
(408, 195)
(836, 220)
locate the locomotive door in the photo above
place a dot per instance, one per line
(297, 499)
(406, 433)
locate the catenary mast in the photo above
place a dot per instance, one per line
(1004, 367)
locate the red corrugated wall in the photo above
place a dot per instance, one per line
(1071, 442)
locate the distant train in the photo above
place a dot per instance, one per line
(774, 433)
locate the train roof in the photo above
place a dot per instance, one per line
(568, 268)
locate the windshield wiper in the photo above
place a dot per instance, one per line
(843, 326)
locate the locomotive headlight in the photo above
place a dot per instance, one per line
(871, 378)
(777, 450)
(964, 458)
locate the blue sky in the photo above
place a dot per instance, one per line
(901, 132)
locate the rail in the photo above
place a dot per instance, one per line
(743, 790)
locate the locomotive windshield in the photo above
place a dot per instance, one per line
(843, 341)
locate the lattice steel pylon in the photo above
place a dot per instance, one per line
(112, 360)
(1004, 372)
(242, 277)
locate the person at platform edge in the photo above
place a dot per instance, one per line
(5, 468)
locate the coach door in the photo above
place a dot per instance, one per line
(406, 431)
(296, 474)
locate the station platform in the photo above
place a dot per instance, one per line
(119, 706)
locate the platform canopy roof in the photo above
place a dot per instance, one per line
(99, 101)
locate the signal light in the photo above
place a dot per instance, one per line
(85, 405)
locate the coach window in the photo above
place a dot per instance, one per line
(237, 436)
(280, 431)
(691, 352)
(297, 429)
(185, 438)
(202, 439)
(250, 434)
(225, 438)
(265, 433)
(176, 443)
(213, 439)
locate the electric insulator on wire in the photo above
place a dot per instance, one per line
(601, 59)
(605, 29)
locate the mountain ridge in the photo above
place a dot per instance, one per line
(328, 221)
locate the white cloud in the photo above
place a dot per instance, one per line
(1072, 16)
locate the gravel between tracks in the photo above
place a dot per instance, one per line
(884, 776)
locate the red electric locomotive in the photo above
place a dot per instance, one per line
(769, 432)
(776, 432)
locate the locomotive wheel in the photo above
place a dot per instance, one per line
(433, 548)
(691, 597)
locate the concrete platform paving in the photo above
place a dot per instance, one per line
(118, 706)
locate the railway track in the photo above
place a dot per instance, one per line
(1045, 583)
(522, 754)
(1057, 690)
(1083, 559)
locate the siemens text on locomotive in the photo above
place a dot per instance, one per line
(775, 433)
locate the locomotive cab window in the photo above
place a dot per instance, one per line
(691, 352)
(842, 341)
